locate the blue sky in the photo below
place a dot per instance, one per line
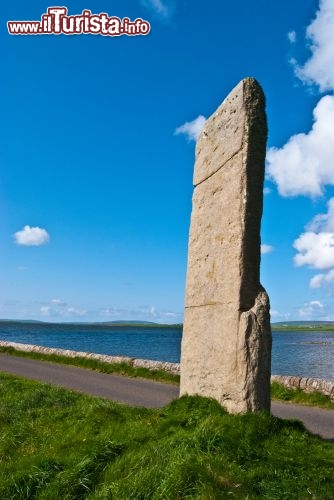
(97, 153)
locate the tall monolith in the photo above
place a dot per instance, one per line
(226, 344)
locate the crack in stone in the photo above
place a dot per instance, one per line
(210, 304)
(221, 166)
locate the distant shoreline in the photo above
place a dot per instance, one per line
(303, 328)
(107, 324)
(295, 326)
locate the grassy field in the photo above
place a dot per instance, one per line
(57, 444)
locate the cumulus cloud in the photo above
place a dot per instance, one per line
(292, 36)
(266, 249)
(56, 308)
(58, 303)
(323, 222)
(153, 312)
(31, 236)
(191, 129)
(305, 164)
(316, 247)
(164, 8)
(45, 310)
(315, 250)
(266, 191)
(169, 314)
(322, 279)
(311, 310)
(319, 68)
(277, 315)
(73, 311)
(141, 313)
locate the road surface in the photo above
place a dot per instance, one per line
(141, 392)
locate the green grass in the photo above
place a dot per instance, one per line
(281, 393)
(56, 444)
(93, 364)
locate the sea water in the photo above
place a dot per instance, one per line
(307, 354)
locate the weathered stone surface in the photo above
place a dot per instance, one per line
(215, 150)
(226, 345)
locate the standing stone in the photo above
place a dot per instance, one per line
(226, 344)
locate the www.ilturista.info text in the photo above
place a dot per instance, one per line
(56, 22)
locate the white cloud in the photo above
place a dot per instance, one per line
(58, 303)
(311, 310)
(153, 312)
(319, 68)
(169, 314)
(164, 8)
(72, 311)
(305, 164)
(276, 315)
(322, 279)
(192, 129)
(292, 36)
(45, 310)
(315, 250)
(323, 222)
(316, 246)
(31, 236)
(56, 308)
(142, 313)
(266, 249)
(266, 191)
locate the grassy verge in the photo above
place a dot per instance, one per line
(58, 444)
(278, 391)
(281, 393)
(93, 364)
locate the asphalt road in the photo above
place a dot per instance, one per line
(141, 392)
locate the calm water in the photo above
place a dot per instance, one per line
(309, 354)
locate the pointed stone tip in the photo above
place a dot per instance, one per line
(251, 82)
(253, 88)
(223, 133)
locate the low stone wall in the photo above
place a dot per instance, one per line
(173, 368)
(306, 384)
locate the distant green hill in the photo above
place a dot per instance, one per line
(303, 325)
(21, 321)
(139, 324)
(280, 325)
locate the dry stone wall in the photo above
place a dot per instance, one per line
(173, 368)
(306, 384)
